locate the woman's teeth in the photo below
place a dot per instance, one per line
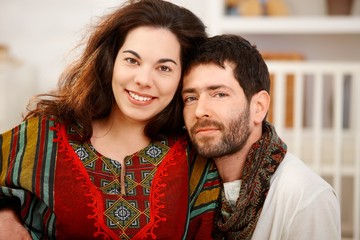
(139, 98)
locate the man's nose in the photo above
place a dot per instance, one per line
(202, 108)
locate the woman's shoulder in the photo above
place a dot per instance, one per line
(32, 123)
(30, 137)
(33, 129)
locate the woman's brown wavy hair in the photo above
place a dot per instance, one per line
(85, 93)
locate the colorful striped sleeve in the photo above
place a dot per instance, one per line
(27, 163)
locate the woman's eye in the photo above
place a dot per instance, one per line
(131, 61)
(164, 69)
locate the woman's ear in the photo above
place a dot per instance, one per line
(261, 103)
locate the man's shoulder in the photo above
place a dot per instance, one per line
(294, 178)
(299, 200)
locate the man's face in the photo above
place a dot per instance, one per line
(216, 111)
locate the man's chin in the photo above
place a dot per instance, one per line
(204, 150)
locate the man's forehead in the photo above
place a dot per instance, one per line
(209, 77)
(208, 70)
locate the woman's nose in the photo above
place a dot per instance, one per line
(143, 78)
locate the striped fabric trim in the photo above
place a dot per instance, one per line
(204, 187)
(27, 164)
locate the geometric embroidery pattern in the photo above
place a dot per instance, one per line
(154, 153)
(122, 213)
(86, 154)
(111, 166)
(125, 215)
(146, 182)
(110, 187)
(130, 184)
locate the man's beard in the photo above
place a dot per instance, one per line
(234, 136)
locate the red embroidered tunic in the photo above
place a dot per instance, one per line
(69, 191)
(127, 215)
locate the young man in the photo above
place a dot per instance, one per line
(267, 193)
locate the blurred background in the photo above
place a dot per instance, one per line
(312, 47)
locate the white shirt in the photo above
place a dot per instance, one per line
(232, 191)
(299, 205)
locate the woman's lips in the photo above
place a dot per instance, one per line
(140, 99)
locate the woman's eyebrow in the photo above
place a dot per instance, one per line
(133, 53)
(161, 60)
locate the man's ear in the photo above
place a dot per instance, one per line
(261, 103)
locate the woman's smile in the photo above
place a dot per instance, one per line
(139, 97)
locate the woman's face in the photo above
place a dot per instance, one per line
(147, 72)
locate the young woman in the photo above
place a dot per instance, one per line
(105, 155)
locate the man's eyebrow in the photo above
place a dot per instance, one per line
(215, 87)
(161, 60)
(188, 90)
(208, 88)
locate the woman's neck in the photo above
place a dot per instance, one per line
(117, 137)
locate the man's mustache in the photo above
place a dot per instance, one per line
(206, 124)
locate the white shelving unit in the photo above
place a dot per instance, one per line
(290, 25)
(219, 23)
(317, 37)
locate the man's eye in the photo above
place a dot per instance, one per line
(189, 99)
(220, 95)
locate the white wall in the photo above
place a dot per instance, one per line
(41, 33)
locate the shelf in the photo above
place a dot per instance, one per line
(290, 25)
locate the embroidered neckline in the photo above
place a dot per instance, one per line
(157, 189)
